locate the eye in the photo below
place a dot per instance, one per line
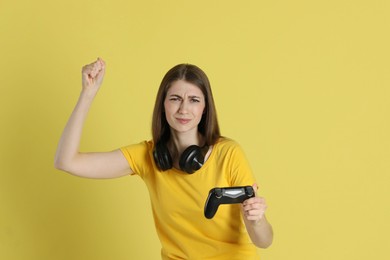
(175, 98)
(195, 100)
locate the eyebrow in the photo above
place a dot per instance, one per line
(176, 95)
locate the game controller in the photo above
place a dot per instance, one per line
(226, 195)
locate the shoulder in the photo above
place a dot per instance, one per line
(236, 166)
(144, 145)
(227, 147)
(139, 156)
(226, 143)
(138, 150)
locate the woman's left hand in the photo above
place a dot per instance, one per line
(253, 209)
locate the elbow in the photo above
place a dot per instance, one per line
(264, 244)
(69, 166)
(265, 241)
(60, 164)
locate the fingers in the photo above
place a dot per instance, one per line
(101, 68)
(254, 203)
(254, 208)
(93, 73)
(93, 69)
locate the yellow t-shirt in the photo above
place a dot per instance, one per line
(178, 201)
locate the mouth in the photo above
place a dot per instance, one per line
(183, 120)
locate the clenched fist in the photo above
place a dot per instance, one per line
(92, 75)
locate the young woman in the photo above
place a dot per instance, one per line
(185, 159)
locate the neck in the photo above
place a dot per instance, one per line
(180, 141)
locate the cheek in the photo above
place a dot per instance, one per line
(167, 108)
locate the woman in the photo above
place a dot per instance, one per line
(186, 158)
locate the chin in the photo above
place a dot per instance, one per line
(184, 129)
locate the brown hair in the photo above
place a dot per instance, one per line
(208, 125)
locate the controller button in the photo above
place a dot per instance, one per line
(218, 193)
(249, 191)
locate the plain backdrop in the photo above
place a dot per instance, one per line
(302, 85)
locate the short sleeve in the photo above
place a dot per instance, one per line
(139, 157)
(239, 171)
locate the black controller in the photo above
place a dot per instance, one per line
(226, 195)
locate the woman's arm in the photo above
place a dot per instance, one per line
(259, 229)
(68, 158)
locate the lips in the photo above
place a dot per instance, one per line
(183, 120)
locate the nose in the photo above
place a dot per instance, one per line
(183, 107)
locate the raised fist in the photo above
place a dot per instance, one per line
(93, 74)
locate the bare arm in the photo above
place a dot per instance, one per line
(91, 165)
(259, 229)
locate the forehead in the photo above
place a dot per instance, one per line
(182, 87)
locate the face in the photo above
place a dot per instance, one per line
(184, 106)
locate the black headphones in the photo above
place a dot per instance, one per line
(190, 161)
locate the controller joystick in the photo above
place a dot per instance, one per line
(226, 195)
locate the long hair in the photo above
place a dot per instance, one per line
(208, 125)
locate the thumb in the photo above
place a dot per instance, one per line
(255, 188)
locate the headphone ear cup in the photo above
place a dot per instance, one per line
(162, 157)
(191, 159)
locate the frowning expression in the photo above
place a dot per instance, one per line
(184, 105)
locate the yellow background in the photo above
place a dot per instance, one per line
(302, 85)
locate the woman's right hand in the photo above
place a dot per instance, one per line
(92, 76)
